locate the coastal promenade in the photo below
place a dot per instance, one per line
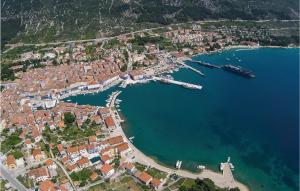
(224, 180)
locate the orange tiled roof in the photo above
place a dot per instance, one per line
(47, 185)
(10, 160)
(105, 168)
(144, 177)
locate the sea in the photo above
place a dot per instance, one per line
(254, 121)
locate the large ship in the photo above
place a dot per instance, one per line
(238, 70)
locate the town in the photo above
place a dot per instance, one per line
(50, 144)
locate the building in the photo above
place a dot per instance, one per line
(155, 183)
(104, 112)
(107, 170)
(39, 174)
(83, 162)
(129, 167)
(11, 162)
(47, 185)
(50, 164)
(123, 148)
(37, 154)
(144, 177)
(109, 122)
(137, 74)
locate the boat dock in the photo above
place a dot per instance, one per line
(113, 98)
(204, 64)
(227, 174)
(184, 84)
(193, 69)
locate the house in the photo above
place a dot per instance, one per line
(97, 119)
(37, 154)
(82, 150)
(72, 168)
(47, 185)
(123, 148)
(36, 135)
(61, 149)
(104, 112)
(110, 151)
(109, 122)
(92, 139)
(129, 167)
(115, 140)
(107, 170)
(28, 144)
(39, 174)
(73, 151)
(155, 183)
(106, 159)
(94, 176)
(11, 162)
(144, 177)
(91, 149)
(50, 164)
(83, 162)
(60, 124)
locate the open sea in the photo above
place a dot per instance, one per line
(254, 121)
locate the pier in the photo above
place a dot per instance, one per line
(181, 62)
(113, 98)
(184, 84)
(204, 64)
(226, 168)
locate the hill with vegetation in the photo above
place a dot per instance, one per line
(53, 20)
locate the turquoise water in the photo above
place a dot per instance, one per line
(255, 121)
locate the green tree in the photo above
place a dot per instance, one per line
(69, 118)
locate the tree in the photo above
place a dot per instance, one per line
(17, 154)
(69, 118)
(7, 73)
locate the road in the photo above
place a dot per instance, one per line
(143, 30)
(13, 181)
(66, 173)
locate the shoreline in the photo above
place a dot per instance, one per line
(240, 46)
(142, 158)
(218, 178)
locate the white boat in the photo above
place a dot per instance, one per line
(178, 164)
(68, 100)
(201, 167)
(221, 166)
(131, 139)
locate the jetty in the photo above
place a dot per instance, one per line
(181, 62)
(184, 84)
(113, 98)
(204, 64)
(227, 173)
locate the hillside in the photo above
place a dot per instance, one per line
(49, 20)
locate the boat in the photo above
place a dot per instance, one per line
(68, 100)
(222, 166)
(178, 164)
(201, 167)
(238, 70)
(131, 139)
